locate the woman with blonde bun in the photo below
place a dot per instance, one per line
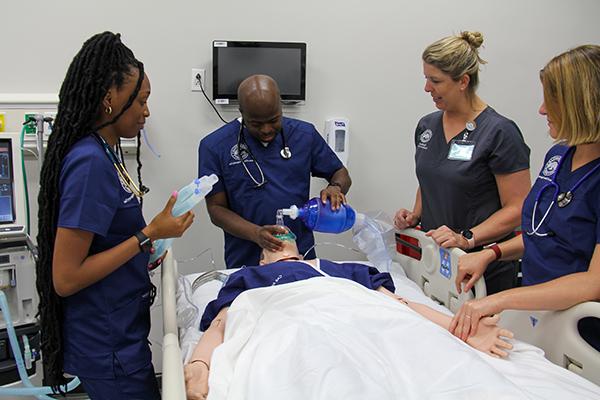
(471, 162)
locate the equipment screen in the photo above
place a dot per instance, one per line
(7, 209)
(235, 61)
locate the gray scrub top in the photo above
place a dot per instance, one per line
(462, 194)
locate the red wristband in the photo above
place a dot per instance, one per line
(497, 251)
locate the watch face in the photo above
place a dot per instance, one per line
(467, 234)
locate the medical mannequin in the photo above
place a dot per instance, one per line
(264, 162)
(560, 244)
(287, 266)
(471, 162)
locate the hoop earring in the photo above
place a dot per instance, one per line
(108, 110)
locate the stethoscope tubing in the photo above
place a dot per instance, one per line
(285, 153)
(556, 196)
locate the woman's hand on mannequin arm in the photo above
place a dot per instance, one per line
(557, 294)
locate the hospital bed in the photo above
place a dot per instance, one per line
(429, 270)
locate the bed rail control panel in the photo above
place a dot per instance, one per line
(433, 268)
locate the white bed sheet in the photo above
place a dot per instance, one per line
(277, 341)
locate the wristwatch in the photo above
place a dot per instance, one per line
(468, 234)
(144, 242)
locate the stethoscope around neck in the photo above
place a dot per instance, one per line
(120, 167)
(562, 199)
(285, 153)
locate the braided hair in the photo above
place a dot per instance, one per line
(103, 62)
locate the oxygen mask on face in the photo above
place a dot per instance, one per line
(289, 235)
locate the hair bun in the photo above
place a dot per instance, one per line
(475, 39)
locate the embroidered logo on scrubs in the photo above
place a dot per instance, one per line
(551, 166)
(234, 152)
(277, 280)
(424, 137)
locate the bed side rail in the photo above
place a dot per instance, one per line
(556, 333)
(173, 384)
(433, 268)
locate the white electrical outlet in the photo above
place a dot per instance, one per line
(198, 79)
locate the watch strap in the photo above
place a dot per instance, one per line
(144, 242)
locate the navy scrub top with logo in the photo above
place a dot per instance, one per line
(575, 228)
(463, 194)
(281, 272)
(288, 181)
(109, 320)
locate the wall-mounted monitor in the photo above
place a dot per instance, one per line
(234, 61)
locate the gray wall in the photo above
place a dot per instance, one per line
(363, 63)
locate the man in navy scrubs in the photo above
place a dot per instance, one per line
(264, 162)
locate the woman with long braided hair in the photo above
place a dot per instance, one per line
(92, 277)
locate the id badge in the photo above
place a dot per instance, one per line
(461, 150)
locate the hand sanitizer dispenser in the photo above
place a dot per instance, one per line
(337, 136)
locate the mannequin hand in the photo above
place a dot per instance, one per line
(405, 219)
(165, 225)
(490, 338)
(335, 196)
(265, 237)
(446, 237)
(471, 267)
(196, 381)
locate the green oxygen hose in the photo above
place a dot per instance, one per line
(25, 176)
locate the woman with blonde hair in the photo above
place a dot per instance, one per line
(560, 245)
(471, 162)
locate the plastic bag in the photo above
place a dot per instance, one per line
(373, 234)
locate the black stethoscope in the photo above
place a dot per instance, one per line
(561, 199)
(285, 153)
(120, 167)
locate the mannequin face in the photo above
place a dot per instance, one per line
(289, 250)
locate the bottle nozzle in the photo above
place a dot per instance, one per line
(291, 212)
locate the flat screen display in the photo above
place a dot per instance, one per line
(7, 208)
(234, 61)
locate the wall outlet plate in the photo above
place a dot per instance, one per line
(198, 80)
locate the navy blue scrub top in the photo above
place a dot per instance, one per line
(288, 181)
(463, 194)
(575, 228)
(111, 318)
(281, 272)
